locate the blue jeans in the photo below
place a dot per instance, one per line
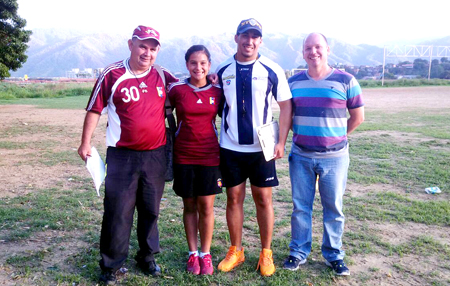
(332, 182)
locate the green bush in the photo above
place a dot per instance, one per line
(44, 90)
(403, 82)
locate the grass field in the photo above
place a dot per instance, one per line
(395, 233)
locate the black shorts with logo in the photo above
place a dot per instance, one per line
(236, 167)
(195, 180)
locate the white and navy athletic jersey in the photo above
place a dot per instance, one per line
(135, 106)
(249, 88)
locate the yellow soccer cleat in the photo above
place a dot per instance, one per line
(265, 263)
(233, 259)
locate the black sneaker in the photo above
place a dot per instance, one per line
(293, 263)
(150, 268)
(339, 267)
(108, 277)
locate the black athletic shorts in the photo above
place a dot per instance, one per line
(194, 180)
(236, 167)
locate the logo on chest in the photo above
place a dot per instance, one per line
(212, 101)
(228, 79)
(160, 91)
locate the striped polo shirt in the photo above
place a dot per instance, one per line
(320, 110)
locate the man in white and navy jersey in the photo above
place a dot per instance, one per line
(133, 93)
(250, 81)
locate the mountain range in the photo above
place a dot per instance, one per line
(52, 52)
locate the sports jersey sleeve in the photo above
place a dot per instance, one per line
(280, 88)
(172, 95)
(282, 92)
(101, 92)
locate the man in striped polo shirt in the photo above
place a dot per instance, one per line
(321, 97)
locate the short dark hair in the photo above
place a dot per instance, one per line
(197, 48)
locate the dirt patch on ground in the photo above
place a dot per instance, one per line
(380, 269)
(400, 234)
(57, 246)
(28, 136)
(407, 98)
(358, 190)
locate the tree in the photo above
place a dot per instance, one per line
(389, 75)
(437, 71)
(13, 38)
(351, 71)
(421, 67)
(361, 73)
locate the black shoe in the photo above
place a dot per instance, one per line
(293, 263)
(108, 277)
(150, 268)
(339, 267)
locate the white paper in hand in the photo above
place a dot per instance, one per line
(96, 167)
(268, 137)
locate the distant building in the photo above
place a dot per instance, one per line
(406, 76)
(86, 73)
(97, 72)
(407, 66)
(72, 73)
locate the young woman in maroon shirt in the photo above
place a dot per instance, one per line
(197, 177)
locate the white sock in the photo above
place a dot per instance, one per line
(203, 254)
(193, 252)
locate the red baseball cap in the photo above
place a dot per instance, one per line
(144, 33)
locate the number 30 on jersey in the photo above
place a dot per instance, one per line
(130, 94)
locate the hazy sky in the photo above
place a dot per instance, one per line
(368, 22)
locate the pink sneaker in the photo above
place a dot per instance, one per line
(193, 265)
(206, 267)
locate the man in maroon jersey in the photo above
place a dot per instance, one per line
(133, 93)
